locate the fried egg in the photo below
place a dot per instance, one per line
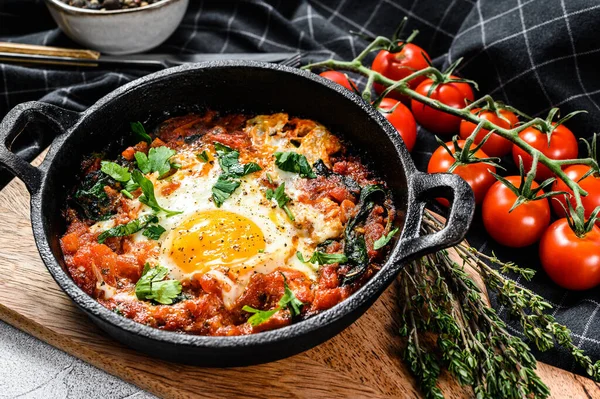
(247, 234)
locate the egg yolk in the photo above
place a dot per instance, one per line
(214, 238)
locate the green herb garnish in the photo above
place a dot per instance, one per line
(157, 160)
(116, 171)
(282, 199)
(384, 240)
(203, 156)
(148, 196)
(355, 247)
(223, 189)
(140, 132)
(129, 228)
(154, 232)
(322, 258)
(229, 181)
(127, 194)
(288, 300)
(152, 285)
(294, 162)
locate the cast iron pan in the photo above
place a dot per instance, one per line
(231, 86)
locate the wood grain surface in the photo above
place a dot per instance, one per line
(361, 362)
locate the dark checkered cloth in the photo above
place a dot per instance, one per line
(532, 54)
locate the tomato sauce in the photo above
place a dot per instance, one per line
(109, 271)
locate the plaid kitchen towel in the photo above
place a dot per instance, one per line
(532, 54)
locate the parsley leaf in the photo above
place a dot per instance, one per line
(116, 171)
(322, 258)
(151, 285)
(282, 199)
(384, 240)
(203, 156)
(223, 189)
(288, 300)
(127, 194)
(259, 316)
(129, 228)
(148, 196)
(140, 132)
(228, 181)
(294, 162)
(157, 160)
(154, 232)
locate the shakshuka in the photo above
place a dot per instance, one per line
(227, 224)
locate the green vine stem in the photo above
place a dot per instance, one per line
(401, 86)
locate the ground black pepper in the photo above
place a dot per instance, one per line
(109, 4)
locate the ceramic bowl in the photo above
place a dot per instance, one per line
(119, 31)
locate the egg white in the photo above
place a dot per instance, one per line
(283, 237)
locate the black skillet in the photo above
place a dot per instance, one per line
(232, 86)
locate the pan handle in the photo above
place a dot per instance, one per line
(58, 120)
(462, 206)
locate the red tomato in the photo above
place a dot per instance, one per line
(519, 228)
(451, 94)
(591, 184)
(338, 77)
(399, 65)
(571, 262)
(402, 119)
(495, 146)
(477, 175)
(563, 145)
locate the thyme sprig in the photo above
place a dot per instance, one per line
(473, 342)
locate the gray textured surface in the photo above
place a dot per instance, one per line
(30, 368)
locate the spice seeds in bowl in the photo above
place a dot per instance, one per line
(119, 31)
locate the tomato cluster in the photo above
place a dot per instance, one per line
(516, 210)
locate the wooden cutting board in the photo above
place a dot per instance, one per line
(362, 361)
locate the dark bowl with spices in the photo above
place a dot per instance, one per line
(118, 26)
(260, 88)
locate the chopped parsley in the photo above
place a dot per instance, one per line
(116, 171)
(288, 300)
(138, 129)
(148, 196)
(232, 169)
(154, 232)
(203, 156)
(282, 199)
(129, 228)
(157, 160)
(223, 189)
(384, 240)
(322, 258)
(294, 162)
(152, 285)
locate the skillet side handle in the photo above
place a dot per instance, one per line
(462, 206)
(59, 120)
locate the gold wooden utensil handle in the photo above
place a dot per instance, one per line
(19, 48)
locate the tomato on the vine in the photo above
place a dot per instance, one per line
(399, 65)
(477, 175)
(522, 226)
(591, 184)
(571, 261)
(338, 77)
(562, 145)
(495, 146)
(402, 119)
(453, 94)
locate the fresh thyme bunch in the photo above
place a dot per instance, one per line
(437, 296)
